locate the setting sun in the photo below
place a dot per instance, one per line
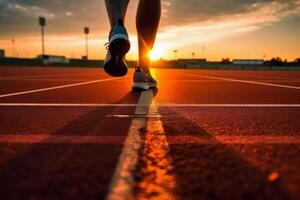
(155, 54)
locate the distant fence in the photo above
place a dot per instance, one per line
(242, 67)
(217, 66)
(20, 62)
(39, 62)
(159, 64)
(72, 63)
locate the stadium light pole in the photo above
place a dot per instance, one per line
(203, 49)
(175, 54)
(13, 47)
(86, 32)
(42, 23)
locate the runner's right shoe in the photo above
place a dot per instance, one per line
(143, 81)
(118, 46)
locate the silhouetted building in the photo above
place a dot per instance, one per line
(2, 53)
(248, 62)
(191, 63)
(51, 59)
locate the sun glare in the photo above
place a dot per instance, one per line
(155, 54)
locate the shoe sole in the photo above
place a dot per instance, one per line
(143, 86)
(116, 66)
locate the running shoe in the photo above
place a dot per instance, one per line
(143, 81)
(117, 47)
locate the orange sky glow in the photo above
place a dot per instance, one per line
(267, 30)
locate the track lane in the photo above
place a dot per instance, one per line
(223, 135)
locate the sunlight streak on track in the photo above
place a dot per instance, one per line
(153, 148)
(156, 170)
(122, 183)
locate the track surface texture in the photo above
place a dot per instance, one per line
(80, 134)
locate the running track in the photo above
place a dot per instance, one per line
(79, 134)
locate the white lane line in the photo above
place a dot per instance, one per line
(216, 81)
(145, 105)
(65, 105)
(232, 139)
(42, 76)
(264, 76)
(230, 105)
(61, 139)
(50, 80)
(184, 139)
(123, 182)
(245, 81)
(136, 116)
(56, 87)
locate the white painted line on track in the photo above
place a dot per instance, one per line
(67, 105)
(216, 81)
(259, 76)
(56, 87)
(184, 139)
(52, 80)
(245, 81)
(43, 76)
(136, 116)
(123, 180)
(145, 105)
(229, 105)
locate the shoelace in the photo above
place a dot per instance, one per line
(106, 45)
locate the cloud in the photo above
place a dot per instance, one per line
(19, 17)
(182, 12)
(31, 11)
(218, 26)
(198, 20)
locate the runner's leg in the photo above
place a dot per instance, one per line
(116, 10)
(147, 20)
(118, 45)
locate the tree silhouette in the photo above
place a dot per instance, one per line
(225, 61)
(275, 62)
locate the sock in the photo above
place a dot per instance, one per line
(121, 22)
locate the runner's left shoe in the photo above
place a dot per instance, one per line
(118, 46)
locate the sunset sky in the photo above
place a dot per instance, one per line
(213, 29)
